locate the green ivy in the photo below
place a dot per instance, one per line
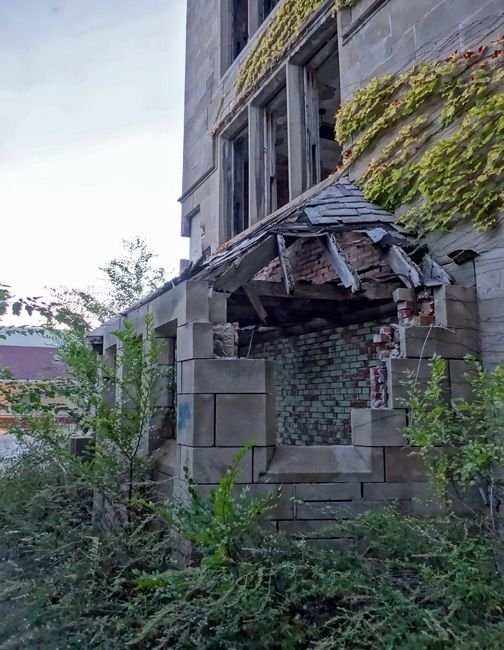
(274, 41)
(459, 176)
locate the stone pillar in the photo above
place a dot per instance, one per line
(223, 404)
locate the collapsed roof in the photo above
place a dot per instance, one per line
(368, 255)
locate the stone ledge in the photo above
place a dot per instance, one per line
(325, 464)
(227, 376)
(378, 427)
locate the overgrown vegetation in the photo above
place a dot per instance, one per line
(275, 41)
(462, 440)
(401, 583)
(443, 178)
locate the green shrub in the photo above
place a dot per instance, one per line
(461, 441)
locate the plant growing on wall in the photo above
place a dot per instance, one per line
(274, 42)
(462, 441)
(442, 176)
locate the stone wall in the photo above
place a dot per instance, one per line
(320, 377)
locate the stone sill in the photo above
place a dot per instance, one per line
(325, 463)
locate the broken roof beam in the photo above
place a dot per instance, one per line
(434, 274)
(285, 265)
(243, 269)
(307, 291)
(340, 262)
(403, 266)
(256, 303)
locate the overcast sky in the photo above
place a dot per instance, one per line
(91, 107)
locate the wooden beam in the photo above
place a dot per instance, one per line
(287, 274)
(308, 291)
(340, 262)
(434, 274)
(256, 303)
(405, 268)
(296, 121)
(243, 269)
(257, 169)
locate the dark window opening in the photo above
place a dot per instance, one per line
(240, 216)
(240, 27)
(327, 80)
(266, 7)
(277, 156)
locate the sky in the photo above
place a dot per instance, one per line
(91, 115)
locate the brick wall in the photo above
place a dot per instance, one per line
(320, 377)
(310, 264)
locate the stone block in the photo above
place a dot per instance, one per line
(403, 464)
(320, 528)
(162, 391)
(403, 295)
(209, 464)
(187, 302)
(331, 543)
(261, 459)
(241, 419)
(167, 355)
(195, 341)
(397, 373)
(82, 446)
(164, 485)
(225, 340)
(378, 427)
(228, 376)
(218, 308)
(460, 386)
(325, 464)
(456, 307)
(282, 506)
(337, 510)
(424, 342)
(392, 491)
(327, 491)
(196, 420)
(167, 458)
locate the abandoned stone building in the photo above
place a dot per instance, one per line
(304, 301)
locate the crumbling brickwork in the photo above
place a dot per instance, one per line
(320, 377)
(310, 264)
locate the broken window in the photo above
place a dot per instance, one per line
(324, 98)
(240, 26)
(265, 8)
(240, 184)
(276, 152)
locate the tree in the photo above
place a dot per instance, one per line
(128, 278)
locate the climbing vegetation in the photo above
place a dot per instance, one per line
(285, 27)
(444, 176)
(273, 43)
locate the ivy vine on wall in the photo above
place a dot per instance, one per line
(442, 177)
(285, 27)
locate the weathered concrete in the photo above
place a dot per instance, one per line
(378, 427)
(322, 464)
(456, 307)
(227, 376)
(196, 420)
(208, 464)
(194, 341)
(424, 342)
(241, 419)
(403, 464)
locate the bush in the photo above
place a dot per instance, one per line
(398, 582)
